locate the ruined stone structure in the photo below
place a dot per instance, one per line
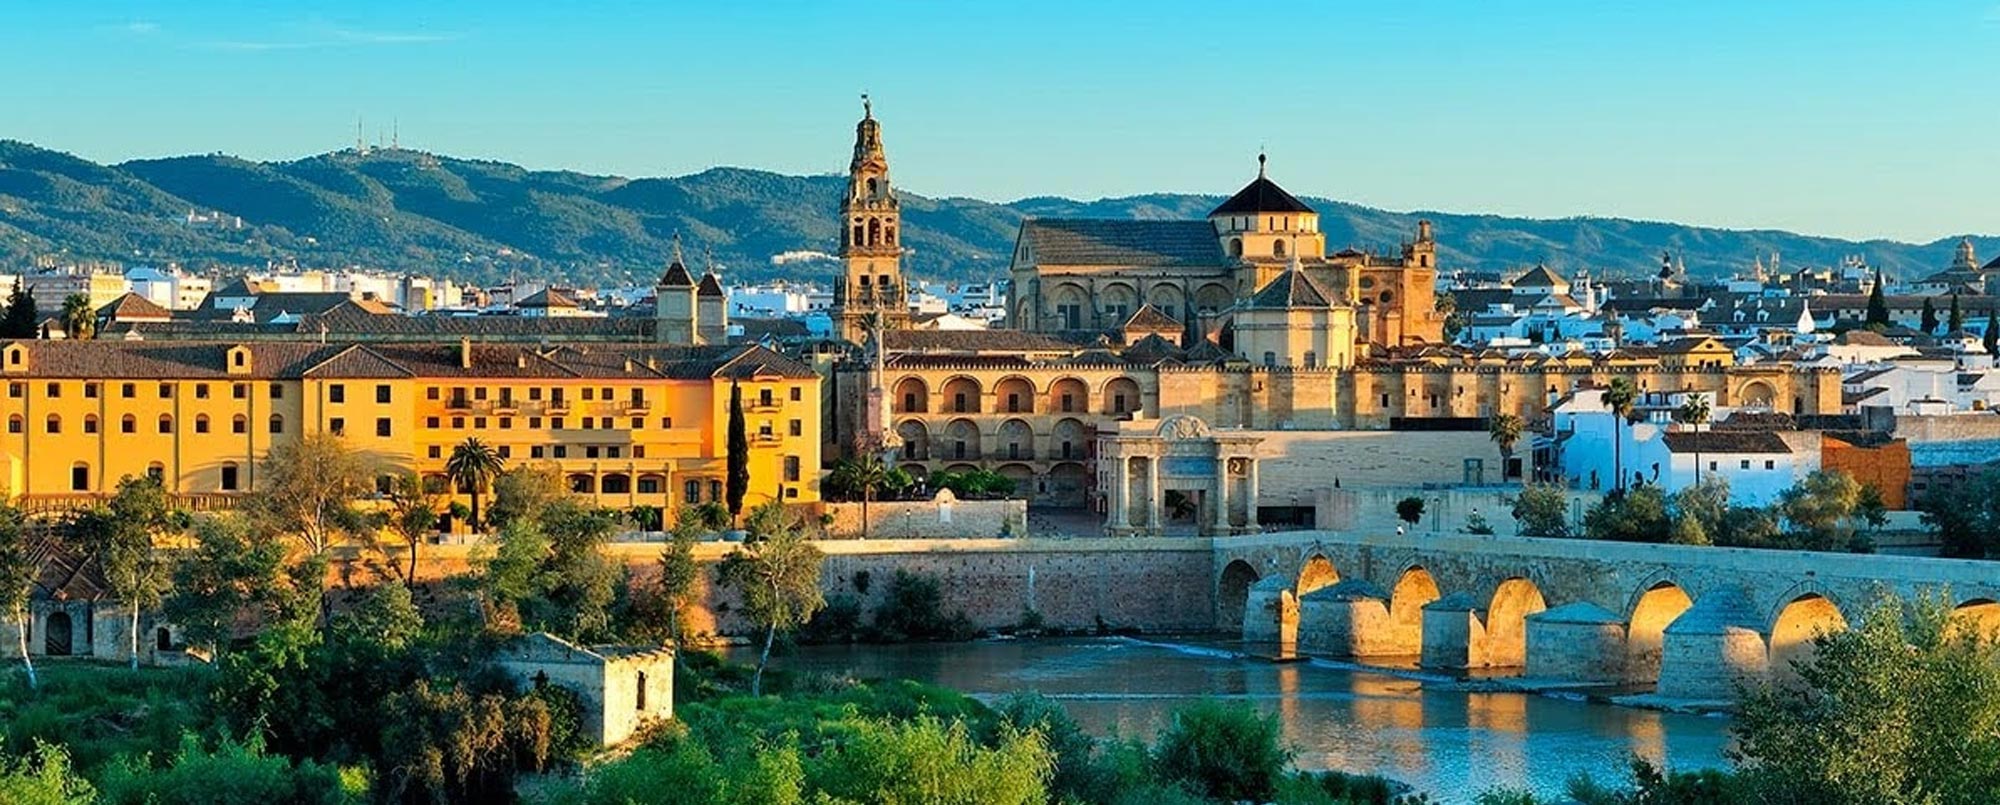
(1689, 621)
(622, 689)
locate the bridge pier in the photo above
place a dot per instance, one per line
(1710, 648)
(1579, 642)
(1271, 613)
(1350, 620)
(1454, 633)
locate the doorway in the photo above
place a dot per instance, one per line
(56, 640)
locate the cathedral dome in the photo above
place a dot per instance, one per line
(1261, 195)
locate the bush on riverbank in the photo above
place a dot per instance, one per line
(911, 611)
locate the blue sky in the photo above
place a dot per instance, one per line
(1854, 119)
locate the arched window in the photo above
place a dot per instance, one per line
(1278, 248)
(89, 423)
(15, 424)
(856, 239)
(200, 423)
(128, 424)
(156, 471)
(79, 477)
(239, 424)
(166, 423)
(55, 423)
(871, 187)
(874, 231)
(277, 423)
(1235, 247)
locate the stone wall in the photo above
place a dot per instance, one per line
(944, 517)
(1298, 463)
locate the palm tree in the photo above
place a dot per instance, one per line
(866, 473)
(1506, 431)
(1694, 411)
(78, 319)
(1620, 398)
(472, 466)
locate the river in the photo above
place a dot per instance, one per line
(1428, 732)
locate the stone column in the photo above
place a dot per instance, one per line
(1250, 499)
(1153, 495)
(1115, 499)
(1220, 515)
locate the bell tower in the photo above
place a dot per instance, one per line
(871, 249)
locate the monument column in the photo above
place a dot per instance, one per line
(1153, 495)
(1220, 514)
(1250, 500)
(1116, 518)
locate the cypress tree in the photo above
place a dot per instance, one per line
(1957, 316)
(1993, 331)
(738, 480)
(1878, 307)
(20, 319)
(1930, 318)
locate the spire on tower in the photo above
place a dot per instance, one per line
(677, 247)
(867, 107)
(1261, 158)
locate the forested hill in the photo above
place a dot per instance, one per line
(482, 220)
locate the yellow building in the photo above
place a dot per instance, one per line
(628, 425)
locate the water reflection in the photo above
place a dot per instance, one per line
(1450, 743)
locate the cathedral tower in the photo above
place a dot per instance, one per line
(870, 249)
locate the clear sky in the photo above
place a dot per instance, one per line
(1877, 119)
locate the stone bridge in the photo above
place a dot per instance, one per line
(1686, 621)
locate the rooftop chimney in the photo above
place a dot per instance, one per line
(465, 352)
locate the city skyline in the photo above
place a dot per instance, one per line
(1445, 107)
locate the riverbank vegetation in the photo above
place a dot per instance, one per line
(1826, 511)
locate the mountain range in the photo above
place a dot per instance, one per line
(484, 221)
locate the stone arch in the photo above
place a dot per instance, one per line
(1070, 304)
(912, 396)
(1317, 572)
(1069, 483)
(1069, 439)
(1118, 300)
(1121, 396)
(615, 483)
(1981, 616)
(1756, 394)
(961, 469)
(1507, 621)
(1804, 617)
(1169, 298)
(961, 395)
(1414, 588)
(1232, 593)
(1214, 298)
(916, 440)
(1235, 247)
(1016, 440)
(1069, 395)
(1014, 394)
(1024, 478)
(1652, 610)
(582, 483)
(961, 440)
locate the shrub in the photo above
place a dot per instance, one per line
(927, 760)
(235, 773)
(45, 777)
(912, 608)
(1542, 510)
(1222, 751)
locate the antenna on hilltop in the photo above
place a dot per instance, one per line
(359, 144)
(395, 134)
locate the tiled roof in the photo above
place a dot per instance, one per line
(1540, 277)
(1291, 289)
(547, 297)
(140, 360)
(1150, 318)
(1726, 442)
(710, 286)
(1084, 241)
(1260, 195)
(971, 341)
(1758, 421)
(1865, 338)
(132, 307)
(269, 306)
(676, 276)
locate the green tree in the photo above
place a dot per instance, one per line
(1694, 412)
(307, 490)
(21, 319)
(526, 491)
(1896, 710)
(79, 320)
(1505, 430)
(472, 466)
(1620, 398)
(1699, 512)
(444, 743)
(1957, 320)
(1821, 509)
(413, 514)
(1991, 338)
(122, 535)
(44, 776)
(777, 573)
(926, 760)
(1929, 322)
(680, 573)
(1966, 516)
(231, 574)
(1410, 510)
(865, 475)
(20, 565)
(737, 479)
(1638, 514)
(1878, 307)
(1542, 510)
(1225, 752)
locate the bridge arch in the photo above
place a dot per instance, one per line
(1232, 594)
(1806, 615)
(1507, 621)
(1317, 572)
(1414, 588)
(1653, 608)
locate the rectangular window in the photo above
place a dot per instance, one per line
(239, 425)
(556, 422)
(16, 390)
(791, 469)
(240, 391)
(589, 393)
(90, 391)
(277, 391)
(382, 427)
(431, 422)
(638, 422)
(433, 393)
(638, 451)
(201, 391)
(336, 393)
(614, 451)
(79, 478)
(604, 394)
(798, 394)
(666, 422)
(228, 477)
(798, 427)
(55, 391)
(435, 451)
(764, 397)
(479, 423)
(128, 390)
(535, 451)
(479, 393)
(382, 393)
(535, 393)
(535, 422)
(506, 423)
(1068, 402)
(590, 451)
(506, 451)
(587, 422)
(562, 451)
(1746, 463)
(764, 430)
(337, 425)
(458, 423)
(1770, 465)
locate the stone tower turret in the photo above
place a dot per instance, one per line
(871, 246)
(674, 302)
